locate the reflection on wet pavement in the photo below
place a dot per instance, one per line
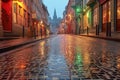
(64, 57)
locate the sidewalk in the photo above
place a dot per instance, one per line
(7, 45)
(114, 36)
(8, 38)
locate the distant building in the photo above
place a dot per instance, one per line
(69, 17)
(54, 23)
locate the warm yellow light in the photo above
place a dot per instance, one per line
(41, 22)
(42, 25)
(84, 10)
(118, 11)
(70, 17)
(87, 14)
(18, 2)
(22, 66)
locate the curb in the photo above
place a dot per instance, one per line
(8, 38)
(105, 38)
(6, 49)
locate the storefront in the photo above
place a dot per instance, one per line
(118, 15)
(95, 17)
(87, 19)
(106, 15)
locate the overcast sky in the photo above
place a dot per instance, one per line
(59, 5)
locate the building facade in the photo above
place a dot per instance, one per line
(70, 18)
(100, 16)
(21, 17)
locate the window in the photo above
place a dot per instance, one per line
(15, 7)
(118, 15)
(105, 13)
(95, 18)
(109, 12)
(118, 9)
(20, 10)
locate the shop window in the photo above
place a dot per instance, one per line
(109, 11)
(20, 10)
(15, 13)
(118, 15)
(118, 9)
(104, 13)
(95, 17)
(15, 7)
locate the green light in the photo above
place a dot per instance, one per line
(78, 10)
(78, 62)
(78, 57)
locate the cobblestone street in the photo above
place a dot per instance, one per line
(63, 57)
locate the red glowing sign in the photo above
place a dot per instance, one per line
(7, 15)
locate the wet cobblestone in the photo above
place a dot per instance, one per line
(64, 57)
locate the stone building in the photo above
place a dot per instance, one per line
(99, 17)
(22, 17)
(70, 18)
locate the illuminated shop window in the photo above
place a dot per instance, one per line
(20, 10)
(109, 12)
(105, 13)
(118, 9)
